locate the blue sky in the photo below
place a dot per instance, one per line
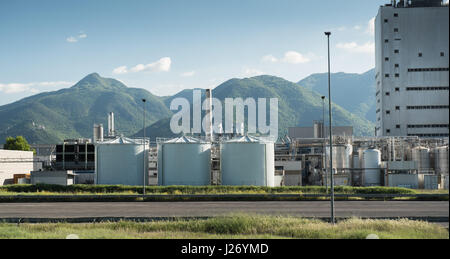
(165, 46)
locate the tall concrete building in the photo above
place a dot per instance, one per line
(412, 68)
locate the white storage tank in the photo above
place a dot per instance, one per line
(421, 156)
(247, 161)
(441, 160)
(372, 165)
(341, 156)
(121, 161)
(184, 161)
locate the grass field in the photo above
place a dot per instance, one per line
(231, 227)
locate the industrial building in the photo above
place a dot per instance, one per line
(14, 162)
(412, 69)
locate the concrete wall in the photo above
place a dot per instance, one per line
(403, 180)
(14, 162)
(52, 177)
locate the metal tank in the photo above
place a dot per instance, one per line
(247, 161)
(121, 161)
(421, 156)
(341, 156)
(372, 165)
(184, 161)
(441, 160)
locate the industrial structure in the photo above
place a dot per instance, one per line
(412, 69)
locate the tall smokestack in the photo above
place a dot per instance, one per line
(111, 131)
(208, 118)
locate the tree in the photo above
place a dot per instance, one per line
(18, 143)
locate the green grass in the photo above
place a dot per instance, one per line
(234, 226)
(121, 189)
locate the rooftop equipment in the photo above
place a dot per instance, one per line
(247, 161)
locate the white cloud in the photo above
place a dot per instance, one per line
(188, 74)
(82, 35)
(250, 72)
(371, 27)
(71, 39)
(368, 47)
(269, 58)
(13, 88)
(162, 65)
(293, 57)
(357, 27)
(120, 70)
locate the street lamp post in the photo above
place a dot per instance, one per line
(145, 171)
(330, 131)
(324, 164)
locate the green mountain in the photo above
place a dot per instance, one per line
(354, 92)
(70, 113)
(298, 106)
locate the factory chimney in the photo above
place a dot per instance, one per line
(111, 131)
(208, 116)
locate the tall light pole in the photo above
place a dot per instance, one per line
(330, 131)
(324, 144)
(143, 156)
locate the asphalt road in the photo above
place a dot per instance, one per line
(365, 209)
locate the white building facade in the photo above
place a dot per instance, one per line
(412, 69)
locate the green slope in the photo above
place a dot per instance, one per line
(354, 92)
(298, 106)
(70, 113)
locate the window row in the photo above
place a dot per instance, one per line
(431, 88)
(427, 69)
(428, 135)
(428, 126)
(428, 107)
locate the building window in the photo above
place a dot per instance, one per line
(395, 14)
(420, 54)
(388, 112)
(396, 51)
(386, 75)
(386, 20)
(395, 29)
(397, 108)
(397, 89)
(397, 65)
(388, 131)
(388, 93)
(397, 126)
(386, 59)
(386, 41)
(397, 75)
(442, 54)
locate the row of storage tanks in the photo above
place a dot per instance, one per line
(187, 161)
(434, 160)
(368, 159)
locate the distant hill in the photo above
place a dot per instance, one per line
(298, 106)
(354, 92)
(70, 113)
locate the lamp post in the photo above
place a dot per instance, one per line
(143, 156)
(324, 164)
(330, 131)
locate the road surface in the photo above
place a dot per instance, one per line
(320, 209)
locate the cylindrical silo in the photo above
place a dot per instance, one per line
(184, 161)
(421, 155)
(247, 161)
(341, 156)
(441, 160)
(372, 165)
(121, 161)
